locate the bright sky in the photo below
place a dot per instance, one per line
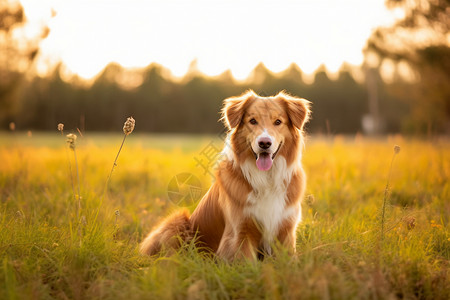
(221, 35)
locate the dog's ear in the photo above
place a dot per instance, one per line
(234, 108)
(298, 109)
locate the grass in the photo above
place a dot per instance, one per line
(46, 252)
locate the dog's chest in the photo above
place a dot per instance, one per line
(267, 201)
(269, 210)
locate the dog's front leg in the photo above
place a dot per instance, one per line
(240, 242)
(249, 239)
(287, 236)
(228, 244)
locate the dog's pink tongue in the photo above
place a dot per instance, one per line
(264, 161)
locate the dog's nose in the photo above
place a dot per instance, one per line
(264, 143)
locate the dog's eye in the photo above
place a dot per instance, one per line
(253, 122)
(277, 122)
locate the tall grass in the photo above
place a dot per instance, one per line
(386, 192)
(337, 256)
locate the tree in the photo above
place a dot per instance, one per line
(16, 53)
(421, 40)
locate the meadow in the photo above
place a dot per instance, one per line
(54, 245)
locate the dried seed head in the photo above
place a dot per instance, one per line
(310, 200)
(60, 127)
(396, 149)
(71, 139)
(117, 212)
(410, 223)
(12, 126)
(128, 127)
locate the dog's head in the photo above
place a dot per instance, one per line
(264, 127)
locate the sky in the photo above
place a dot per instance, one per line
(220, 35)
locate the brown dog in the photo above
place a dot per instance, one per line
(256, 198)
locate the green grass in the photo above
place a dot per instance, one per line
(47, 252)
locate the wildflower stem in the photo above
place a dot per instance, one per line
(78, 180)
(114, 164)
(70, 167)
(386, 192)
(128, 128)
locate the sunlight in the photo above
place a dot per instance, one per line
(220, 35)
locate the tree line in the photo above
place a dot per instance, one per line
(192, 105)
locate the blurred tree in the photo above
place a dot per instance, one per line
(17, 53)
(337, 105)
(421, 40)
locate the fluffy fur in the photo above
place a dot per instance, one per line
(255, 201)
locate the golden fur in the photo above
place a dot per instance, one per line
(255, 201)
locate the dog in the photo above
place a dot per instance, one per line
(255, 202)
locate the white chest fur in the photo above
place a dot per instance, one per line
(267, 201)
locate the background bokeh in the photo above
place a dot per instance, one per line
(398, 81)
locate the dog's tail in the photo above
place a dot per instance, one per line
(169, 234)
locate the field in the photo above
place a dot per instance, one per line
(54, 245)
